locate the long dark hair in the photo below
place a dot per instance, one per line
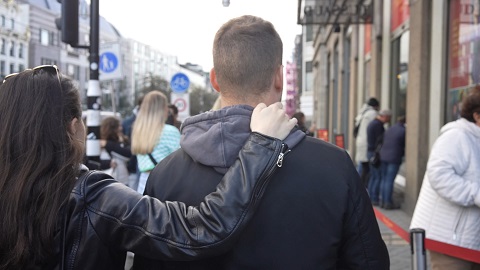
(109, 129)
(39, 160)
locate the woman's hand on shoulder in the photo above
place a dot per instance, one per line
(272, 121)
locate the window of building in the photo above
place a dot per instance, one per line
(20, 50)
(2, 46)
(46, 61)
(308, 76)
(21, 67)
(12, 68)
(3, 20)
(309, 32)
(73, 71)
(12, 48)
(2, 69)
(12, 24)
(463, 68)
(44, 37)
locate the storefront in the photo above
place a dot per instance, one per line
(463, 68)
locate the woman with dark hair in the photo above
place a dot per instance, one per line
(448, 207)
(57, 216)
(115, 149)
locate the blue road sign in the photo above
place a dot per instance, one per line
(179, 82)
(108, 62)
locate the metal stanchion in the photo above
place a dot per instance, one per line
(417, 247)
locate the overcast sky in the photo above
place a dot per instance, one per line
(186, 28)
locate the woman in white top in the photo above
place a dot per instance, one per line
(152, 139)
(448, 207)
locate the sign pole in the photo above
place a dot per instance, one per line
(94, 93)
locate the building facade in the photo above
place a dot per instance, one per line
(15, 35)
(419, 58)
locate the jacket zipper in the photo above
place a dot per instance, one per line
(282, 154)
(283, 151)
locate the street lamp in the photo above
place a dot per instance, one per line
(226, 3)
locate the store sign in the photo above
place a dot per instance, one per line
(335, 12)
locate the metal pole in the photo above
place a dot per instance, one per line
(417, 247)
(94, 101)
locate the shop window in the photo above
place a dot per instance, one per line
(463, 69)
(399, 82)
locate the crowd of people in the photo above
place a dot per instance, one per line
(239, 170)
(231, 188)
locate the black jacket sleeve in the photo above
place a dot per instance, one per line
(123, 219)
(118, 148)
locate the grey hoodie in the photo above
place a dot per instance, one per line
(215, 138)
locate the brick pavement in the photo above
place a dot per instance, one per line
(398, 248)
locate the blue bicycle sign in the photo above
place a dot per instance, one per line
(179, 83)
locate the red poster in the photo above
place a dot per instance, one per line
(368, 38)
(458, 70)
(322, 134)
(400, 13)
(340, 141)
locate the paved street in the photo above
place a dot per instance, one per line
(399, 249)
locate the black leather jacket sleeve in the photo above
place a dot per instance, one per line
(123, 219)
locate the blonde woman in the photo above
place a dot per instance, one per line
(152, 139)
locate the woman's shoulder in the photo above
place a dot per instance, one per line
(169, 130)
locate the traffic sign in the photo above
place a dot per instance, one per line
(110, 64)
(179, 83)
(181, 100)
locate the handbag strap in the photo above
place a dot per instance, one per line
(152, 159)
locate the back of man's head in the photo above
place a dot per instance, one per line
(373, 102)
(247, 51)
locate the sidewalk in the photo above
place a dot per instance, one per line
(398, 248)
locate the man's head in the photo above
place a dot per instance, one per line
(385, 115)
(374, 103)
(247, 60)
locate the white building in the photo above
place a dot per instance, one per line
(14, 37)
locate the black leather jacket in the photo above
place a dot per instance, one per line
(103, 218)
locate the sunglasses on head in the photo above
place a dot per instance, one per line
(45, 67)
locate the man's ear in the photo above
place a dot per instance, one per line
(213, 80)
(278, 81)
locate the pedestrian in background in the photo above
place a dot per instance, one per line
(152, 139)
(391, 156)
(115, 149)
(300, 116)
(341, 231)
(57, 216)
(173, 114)
(127, 125)
(448, 207)
(375, 132)
(367, 113)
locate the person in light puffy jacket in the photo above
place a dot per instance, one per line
(448, 207)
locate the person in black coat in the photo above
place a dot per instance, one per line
(317, 214)
(391, 155)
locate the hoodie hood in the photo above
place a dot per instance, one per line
(215, 138)
(463, 124)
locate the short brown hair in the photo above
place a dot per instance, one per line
(247, 51)
(471, 104)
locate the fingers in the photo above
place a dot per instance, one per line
(272, 120)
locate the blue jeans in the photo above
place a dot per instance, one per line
(374, 182)
(389, 172)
